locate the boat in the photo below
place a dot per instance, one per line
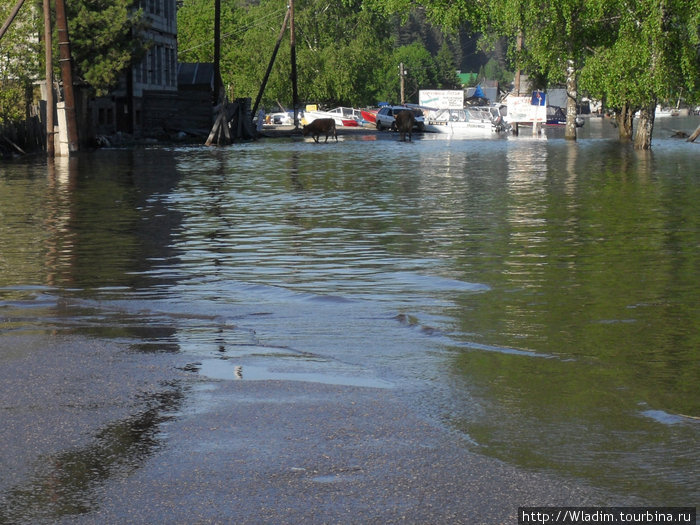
(662, 112)
(369, 115)
(343, 116)
(467, 122)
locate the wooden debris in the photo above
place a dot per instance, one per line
(233, 122)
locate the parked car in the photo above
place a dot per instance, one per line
(282, 119)
(386, 115)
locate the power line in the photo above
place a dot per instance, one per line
(237, 31)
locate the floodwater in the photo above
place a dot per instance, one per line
(538, 296)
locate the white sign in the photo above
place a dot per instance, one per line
(527, 109)
(441, 98)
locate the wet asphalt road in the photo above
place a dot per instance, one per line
(95, 433)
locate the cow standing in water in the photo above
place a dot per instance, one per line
(405, 120)
(318, 126)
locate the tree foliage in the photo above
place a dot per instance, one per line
(346, 54)
(20, 59)
(104, 40)
(629, 53)
(651, 56)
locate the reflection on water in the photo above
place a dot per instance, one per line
(545, 291)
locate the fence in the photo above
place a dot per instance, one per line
(22, 137)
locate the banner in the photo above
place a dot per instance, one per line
(528, 109)
(441, 98)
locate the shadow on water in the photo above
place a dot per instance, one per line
(64, 485)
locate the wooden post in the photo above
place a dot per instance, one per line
(66, 75)
(272, 61)
(402, 73)
(516, 80)
(9, 20)
(217, 51)
(292, 42)
(50, 148)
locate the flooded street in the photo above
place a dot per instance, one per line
(537, 299)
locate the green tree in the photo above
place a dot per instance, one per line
(493, 70)
(446, 69)
(346, 54)
(20, 59)
(104, 40)
(652, 56)
(556, 34)
(341, 51)
(631, 53)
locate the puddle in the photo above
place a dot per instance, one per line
(334, 478)
(225, 369)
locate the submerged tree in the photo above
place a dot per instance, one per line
(630, 53)
(547, 38)
(653, 55)
(556, 46)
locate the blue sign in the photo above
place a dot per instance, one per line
(539, 98)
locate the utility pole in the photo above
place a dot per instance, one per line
(66, 75)
(292, 42)
(518, 47)
(402, 75)
(50, 149)
(217, 52)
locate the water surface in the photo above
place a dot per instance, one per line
(538, 296)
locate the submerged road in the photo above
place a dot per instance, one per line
(95, 433)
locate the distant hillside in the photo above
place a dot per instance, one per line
(463, 44)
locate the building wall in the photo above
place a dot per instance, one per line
(158, 70)
(124, 108)
(156, 104)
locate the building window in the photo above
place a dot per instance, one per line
(144, 70)
(173, 68)
(152, 64)
(168, 52)
(159, 65)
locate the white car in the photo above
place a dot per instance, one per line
(282, 119)
(387, 114)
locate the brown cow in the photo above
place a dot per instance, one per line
(405, 120)
(318, 126)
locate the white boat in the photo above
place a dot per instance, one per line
(467, 122)
(343, 116)
(662, 112)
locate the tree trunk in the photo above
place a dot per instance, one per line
(571, 96)
(642, 137)
(624, 118)
(695, 135)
